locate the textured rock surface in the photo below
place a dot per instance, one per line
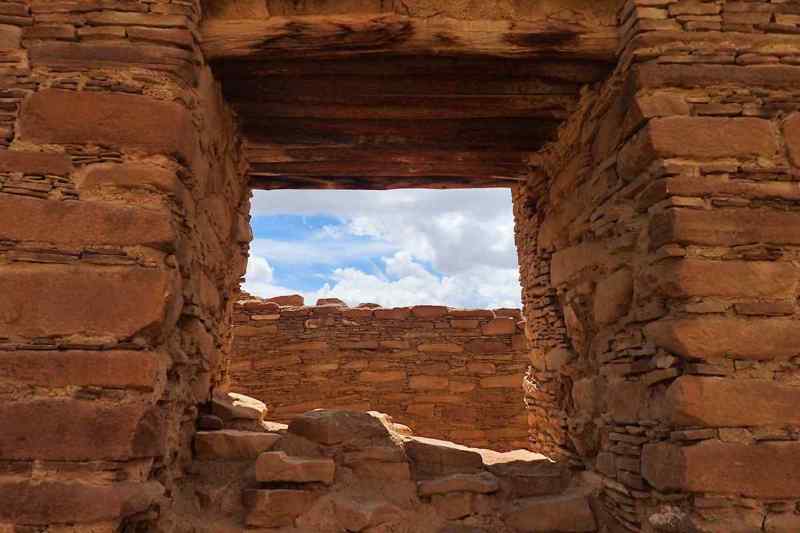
(448, 373)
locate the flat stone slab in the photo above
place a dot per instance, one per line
(232, 444)
(565, 513)
(331, 427)
(277, 466)
(233, 406)
(432, 457)
(275, 508)
(483, 483)
(523, 473)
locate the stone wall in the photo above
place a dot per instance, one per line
(659, 258)
(447, 373)
(123, 231)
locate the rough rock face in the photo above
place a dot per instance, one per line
(658, 262)
(449, 373)
(329, 483)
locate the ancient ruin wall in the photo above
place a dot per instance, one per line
(123, 232)
(658, 249)
(446, 373)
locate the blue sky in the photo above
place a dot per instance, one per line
(394, 248)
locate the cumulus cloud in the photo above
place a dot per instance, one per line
(439, 247)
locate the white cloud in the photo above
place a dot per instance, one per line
(465, 235)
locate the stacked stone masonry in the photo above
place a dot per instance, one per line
(453, 374)
(123, 233)
(658, 249)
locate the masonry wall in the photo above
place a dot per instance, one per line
(123, 231)
(658, 248)
(447, 373)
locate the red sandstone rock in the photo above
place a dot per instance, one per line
(87, 430)
(765, 470)
(68, 117)
(730, 279)
(128, 176)
(482, 483)
(113, 369)
(53, 300)
(276, 508)
(277, 466)
(612, 297)
(335, 427)
(292, 299)
(718, 402)
(35, 163)
(713, 337)
(352, 515)
(331, 301)
(231, 406)
(231, 444)
(500, 326)
(568, 513)
(791, 132)
(724, 227)
(431, 457)
(429, 311)
(51, 502)
(84, 223)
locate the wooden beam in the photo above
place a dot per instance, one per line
(494, 134)
(408, 107)
(389, 34)
(384, 183)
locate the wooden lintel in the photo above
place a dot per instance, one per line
(276, 182)
(343, 36)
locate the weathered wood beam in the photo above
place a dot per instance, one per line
(388, 34)
(493, 134)
(383, 183)
(408, 107)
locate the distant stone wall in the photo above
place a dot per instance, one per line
(446, 373)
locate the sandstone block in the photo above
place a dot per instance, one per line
(700, 138)
(791, 133)
(464, 324)
(382, 377)
(275, 508)
(524, 474)
(719, 402)
(232, 406)
(453, 506)
(782, 523)
(431, 457)
(35, 163)
(54, 300)
(566, 513)
(728, 279)
(471, 313)
(507, 381)
(354, 515)
(588, 257)
(710, 337)
(429, 382)
(127, 176)
(291, 299)
(399, 313)
(612, 297)
(766, 470)
(54, 116)
(277, 466)
(86, 430)
(47, 502)
(113, 369)
(84, 223)
(231, 444)
(500, 326)
(483, 483)
(428, 311)
(724, 227)
(442, 347)
(330, 427)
